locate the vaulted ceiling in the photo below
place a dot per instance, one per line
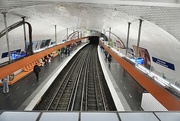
(92, 14)
(160, 27)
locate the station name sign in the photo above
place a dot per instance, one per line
(163, 63)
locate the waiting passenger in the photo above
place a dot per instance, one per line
(49, 57)
(62, 53)
(52, 56)
(41, 61)
(109, 58)
(5, 81)
(36, 71)
(59, 54)
(45, 59)
(68, 51)
(106, 55)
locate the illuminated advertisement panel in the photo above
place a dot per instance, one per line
(143, 53)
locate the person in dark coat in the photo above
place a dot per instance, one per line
(106, 55)
(109, 58)
(36, 71)
(59, 54)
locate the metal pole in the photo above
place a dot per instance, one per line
(139, 34)
(67, 33)
(55, 34)
(29, 49)
(129, 24)
(5, 23)
(109, 33)
(24, 32)
(78, 34)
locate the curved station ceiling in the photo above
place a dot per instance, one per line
(160, 30)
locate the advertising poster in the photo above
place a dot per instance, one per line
(35, 44)
(143, 53)
(43, 44)
(119, 44)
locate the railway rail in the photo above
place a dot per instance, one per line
(81, 88)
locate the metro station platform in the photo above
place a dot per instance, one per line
(27, 92)
(24, 91)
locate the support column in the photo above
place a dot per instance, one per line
(7, 38)
(78, 34)
(139, 35)
(67, 33)
(24, 32)
(109, 33)
(129, 25)
(55, 34)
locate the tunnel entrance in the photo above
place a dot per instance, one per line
(94, 39)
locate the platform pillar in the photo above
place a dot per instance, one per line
(129, 25)
(139, 35)
(67, 33)
(24, 32)
(55, 34)
(7, 38)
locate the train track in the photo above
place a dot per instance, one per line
(81, 88)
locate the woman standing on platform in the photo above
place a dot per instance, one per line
(5, 81)
(59, 54)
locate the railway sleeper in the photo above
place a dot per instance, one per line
(90, 79)
(91, 95)
(62, 105)
(67, 91)
(91, 84)
(92, 104)
(91, 88)
(91, 99)
(62, 108)
(64, 99)
(92, 108)
(91, 92)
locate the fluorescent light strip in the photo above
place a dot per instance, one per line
(175, 87)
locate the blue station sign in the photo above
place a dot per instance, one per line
(164, 63)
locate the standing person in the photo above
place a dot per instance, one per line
(5, 81)
(68, 51)
(106, 55)
(36, 71)
(109, 59)
(41, 61)
(59, 54)
(62, 53)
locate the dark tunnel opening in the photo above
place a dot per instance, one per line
(94, 40)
